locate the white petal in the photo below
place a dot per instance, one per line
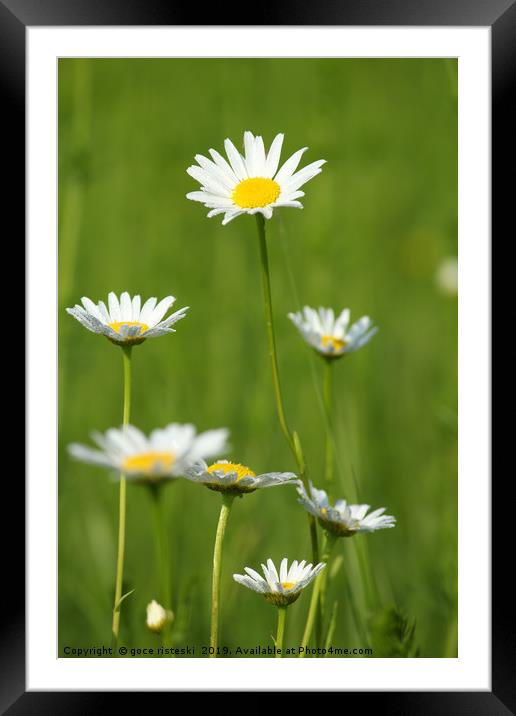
(220, 175)
(302, 176)
(91, 307)
(126, 307)
(114, 308)
(136, 307)
(250, 153)
(259, 157)
(223, 164)
(160, 310)
(210, 200)
(273, 157)
(236, 161)
(283, 570)
(230, 215)
(289, 167)
(208, 181)
(148, 308)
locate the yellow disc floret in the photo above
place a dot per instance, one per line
(149, 463)
(226, 467)
(336, 343)
(256, 192)
(288, 585)
(118, 325)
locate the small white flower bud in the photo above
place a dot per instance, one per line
(157, 616)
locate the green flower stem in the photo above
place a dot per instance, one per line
(328, 407)
(319, 591)
(227, 501)
(162, 546)
(292, 438)
(126, 357)
(280, 633)
(267, 295)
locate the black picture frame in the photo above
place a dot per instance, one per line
(15, 17)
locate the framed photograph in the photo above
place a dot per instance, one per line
(258, 354)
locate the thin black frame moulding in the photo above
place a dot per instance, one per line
(15, 17)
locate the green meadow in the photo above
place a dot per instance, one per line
(375, 227)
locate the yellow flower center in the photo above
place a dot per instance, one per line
(288, 585)
(148, 463)
(225, 467)
(117, 326)
(256, 192)
(336, 343)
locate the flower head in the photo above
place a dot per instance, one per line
(234, 478)
(158, 617)
(342, 520)
(332, 337)
(281, 588)
(125, 321)
(250, 184)
(166, 453)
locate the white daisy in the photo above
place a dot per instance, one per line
(343, 520)
(281, 588)
(231, 477)
(332, 337)
(158, 617)
(126, 321)
(250, 184)
(166, 453)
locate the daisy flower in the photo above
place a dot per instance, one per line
(342, 520)
(234, 478)
(166, 453)
(280, 588)
(125, 321)
(250, 184)
(332, 337)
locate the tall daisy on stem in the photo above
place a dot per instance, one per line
(231, 480)
(331, 338)
(340, 520)
(280, 587)
(153, 461)
(252, 184)
(126, 323)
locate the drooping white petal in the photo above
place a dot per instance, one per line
(91, 307)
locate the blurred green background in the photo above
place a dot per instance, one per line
(376, 225)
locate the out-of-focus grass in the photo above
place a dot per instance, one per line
(375, 225)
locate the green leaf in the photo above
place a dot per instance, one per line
(331, 626)
(393, 634)
(124, 596)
